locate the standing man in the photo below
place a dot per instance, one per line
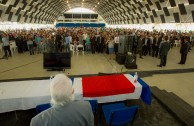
(164, 48)
(140, 46)
(147, 46)
(6, 46)
(58, 42)
(19, 44)
(135, 42)
(184, 50)
(67, 43)
(155, 45)
(158, 45)
(93, 44)
(116, 39)
(100, 41)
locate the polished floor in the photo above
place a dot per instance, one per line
(181, 83)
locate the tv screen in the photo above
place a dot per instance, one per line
(56, 60)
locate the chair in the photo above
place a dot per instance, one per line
(42, 107)
(118, 114)
(72, 48)
(81, 47)
(94, 105)
(13, 46)
(177, 43)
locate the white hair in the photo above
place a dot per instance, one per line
(61, 90)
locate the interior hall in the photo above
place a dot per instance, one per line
(96, 62)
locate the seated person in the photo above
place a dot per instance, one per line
(65, 111)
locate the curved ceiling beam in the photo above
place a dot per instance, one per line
(112, 11)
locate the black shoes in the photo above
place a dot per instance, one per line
(159, 65)
(180, 63)
(4, 57)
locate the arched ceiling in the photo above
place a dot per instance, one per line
(112, 11)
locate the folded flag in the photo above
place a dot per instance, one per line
(99, 86)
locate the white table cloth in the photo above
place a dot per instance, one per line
(23, 95)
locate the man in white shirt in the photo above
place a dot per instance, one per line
(6, 46)
(116, 40)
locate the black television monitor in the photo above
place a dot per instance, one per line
(56, 60)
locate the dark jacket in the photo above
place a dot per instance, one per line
(102, 40)
(165, 47)
(158, 43)
(148, 41)
(139, 44)
(185, 48)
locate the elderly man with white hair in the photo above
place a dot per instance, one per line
(65, 111)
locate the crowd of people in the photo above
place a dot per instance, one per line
(94, 40)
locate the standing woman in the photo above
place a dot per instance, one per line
(88, 43)
(38, 43)
(111, 47)
(30, 45)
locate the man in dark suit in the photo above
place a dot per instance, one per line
(19, 43)
(155, 46)
(58, 42)
(93, 44)
(164, 48)
(147, 46)
(140, 46)
(100, 42)
(184, 50)
(135, 42)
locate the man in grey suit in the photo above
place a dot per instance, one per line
(65, 111)
(164, 48)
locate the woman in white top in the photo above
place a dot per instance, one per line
(111, 47)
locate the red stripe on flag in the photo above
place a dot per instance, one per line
(97, 86)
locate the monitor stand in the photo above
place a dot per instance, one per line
(54, 69)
